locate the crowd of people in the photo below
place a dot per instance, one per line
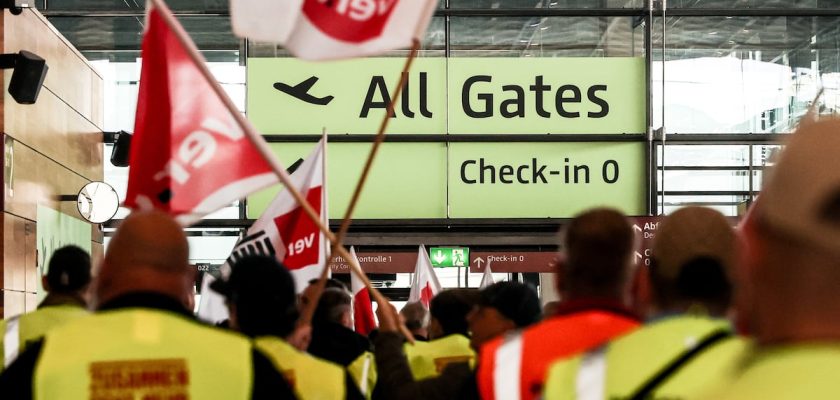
(718, 314)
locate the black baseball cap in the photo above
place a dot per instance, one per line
(516, 301)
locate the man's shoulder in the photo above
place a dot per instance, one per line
(579, 321)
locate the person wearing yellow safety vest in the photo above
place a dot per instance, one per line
(143, 341)
(262, 301)
(501, 308)
(687, 345)
(792, 274)
(66, 284)
(449, 340)
(333, 338)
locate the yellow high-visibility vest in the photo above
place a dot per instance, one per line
(140, 353)
(17, 332)
(363, 372)
(618, 369)
(782, 372)
(310, 377)
(428, 359)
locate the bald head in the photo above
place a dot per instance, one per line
(149, 253)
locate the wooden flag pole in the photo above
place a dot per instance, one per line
(262, 146)
(377, 141)
(308, 311)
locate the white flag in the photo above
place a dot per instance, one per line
(332, 29)
(487, 278)
(284, 231)
(425, 284)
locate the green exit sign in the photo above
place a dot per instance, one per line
(449, 256)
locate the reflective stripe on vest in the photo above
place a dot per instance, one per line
(11, 340)
(591, 380)
(506, 369)
(363, 387)
(141, 353)
(363, 372)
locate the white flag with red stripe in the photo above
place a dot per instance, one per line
(425, 284)
(487, 278)
(363, 318)
(284, 231)
(332, 29)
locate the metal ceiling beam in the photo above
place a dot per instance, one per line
(507, 12)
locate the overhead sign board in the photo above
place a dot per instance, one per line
(378, 263)
(449, 256)
(645, 229)
(477, 180)
(513, 261)
(524, 180)
(449, 95)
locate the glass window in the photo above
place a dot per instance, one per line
(744, 74)
(753, 3)
(545, 37)
(518, 4)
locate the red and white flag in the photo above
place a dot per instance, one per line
(363, 318)
(188, 156)
(425, 284)
(332, 29)
(284, 231)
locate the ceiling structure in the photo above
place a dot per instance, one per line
(112, 29)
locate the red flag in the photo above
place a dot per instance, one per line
(188, 157)
(363, 318)
(319, 29)
(425, 284)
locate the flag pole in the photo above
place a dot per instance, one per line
(377, 141)
(262, 146)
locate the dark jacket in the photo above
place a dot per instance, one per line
(395, 381)
(336, 343)
(16, 382)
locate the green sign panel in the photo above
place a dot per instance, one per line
(477, 180)
(408, 180)
(346, 96)
(540, 180)
(449, 95)
(449, 256)
(547, 95)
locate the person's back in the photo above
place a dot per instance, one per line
(688, 344)
(143, 340)
(333, 337)
(500, 308)
(66, 281)
(792, 273)
(593, 281)
(448, 333)
(261, 301)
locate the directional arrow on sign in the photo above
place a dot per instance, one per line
(439, 257)
(637, 228)
(479, 261)
(638, 255)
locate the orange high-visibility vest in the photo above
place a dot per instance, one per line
(514, 367)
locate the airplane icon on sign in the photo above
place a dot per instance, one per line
(301, 91)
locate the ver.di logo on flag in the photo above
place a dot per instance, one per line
(349, 20)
